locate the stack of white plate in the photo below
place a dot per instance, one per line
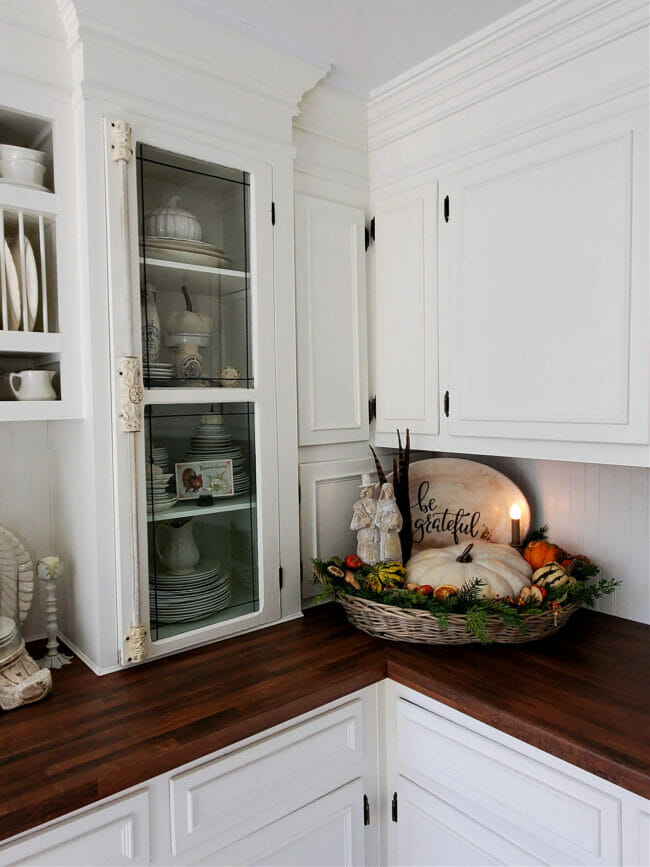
(211, 441)
(157, 373)
(185, 252)
(184, 598)
(159, 455)
(159, 499)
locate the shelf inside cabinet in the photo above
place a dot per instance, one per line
(189, 509)
(17, 198)
(202, 277)
(30, 343)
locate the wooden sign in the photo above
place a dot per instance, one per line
(453, 500)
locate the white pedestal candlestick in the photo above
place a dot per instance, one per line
(48, 570)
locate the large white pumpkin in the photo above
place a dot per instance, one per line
(502, 569)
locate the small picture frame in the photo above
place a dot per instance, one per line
(196, 479)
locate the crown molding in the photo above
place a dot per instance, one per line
(534, 39)
(188, 43)
(42, 20)
(334, 114)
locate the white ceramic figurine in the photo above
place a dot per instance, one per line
(363, 521)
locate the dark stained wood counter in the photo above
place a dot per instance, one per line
(581, 695)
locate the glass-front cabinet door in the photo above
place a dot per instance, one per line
(206, 459)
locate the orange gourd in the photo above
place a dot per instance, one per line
(539, 552)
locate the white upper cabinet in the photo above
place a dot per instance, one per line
(331, 316)
(545, 279)
(539, 270)
(197, 486)
(406, 348)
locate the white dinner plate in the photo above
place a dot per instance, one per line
(14, 300)
(31, 279)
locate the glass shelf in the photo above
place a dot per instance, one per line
(225, 504)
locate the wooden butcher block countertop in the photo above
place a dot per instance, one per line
(581, 695)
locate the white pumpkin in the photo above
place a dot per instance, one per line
(188, 321)
(502, 568)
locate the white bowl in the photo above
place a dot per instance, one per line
(22, 171)
(13, 152)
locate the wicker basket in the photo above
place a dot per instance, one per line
(419, 627)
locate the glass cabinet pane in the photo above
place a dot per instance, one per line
(201, 515)
(194, 234)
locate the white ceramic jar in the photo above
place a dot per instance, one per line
(170, 221)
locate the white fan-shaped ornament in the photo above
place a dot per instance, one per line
(21, 680)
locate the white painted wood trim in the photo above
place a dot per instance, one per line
(323, 341)
(311, 522)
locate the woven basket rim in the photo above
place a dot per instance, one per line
(391, 622)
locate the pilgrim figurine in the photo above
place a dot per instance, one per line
(388, 521)
(363, 521)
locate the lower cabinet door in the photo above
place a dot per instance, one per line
(117, 833)
(431, 833)
(328, 832)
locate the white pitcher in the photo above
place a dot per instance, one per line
(33, 385)
(176, 546)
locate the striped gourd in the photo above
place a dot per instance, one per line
(552, 575)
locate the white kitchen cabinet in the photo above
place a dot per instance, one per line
(326, 833)
(437, 834)
(545, 274)
(224, 800)
(465, 793)
(539, 270)
(115, 833)
(406, 311)
(331, 322)
(209, 422)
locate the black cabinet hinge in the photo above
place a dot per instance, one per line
(394, 807)
(446, 209)
(280, 577)
(366, 810)
(446, 404)
(372, 409)
(301, 572)
(273, 213)
(372, 230)
(367, 237)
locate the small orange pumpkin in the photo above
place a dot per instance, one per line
(539, 552)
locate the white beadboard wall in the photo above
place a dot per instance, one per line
(25, 500)
(597, 509)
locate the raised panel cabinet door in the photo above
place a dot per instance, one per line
(546, 289)
(328, 832)
(433, 833)
(117, 833)
(406, 311)
(331, 315)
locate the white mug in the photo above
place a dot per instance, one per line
(32, 385)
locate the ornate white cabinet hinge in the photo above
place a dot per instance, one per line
(131, 394)
(121, 146)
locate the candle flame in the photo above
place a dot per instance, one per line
(515, 512)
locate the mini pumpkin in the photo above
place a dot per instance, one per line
(539, 552)
(502, 569)
(552, 575)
